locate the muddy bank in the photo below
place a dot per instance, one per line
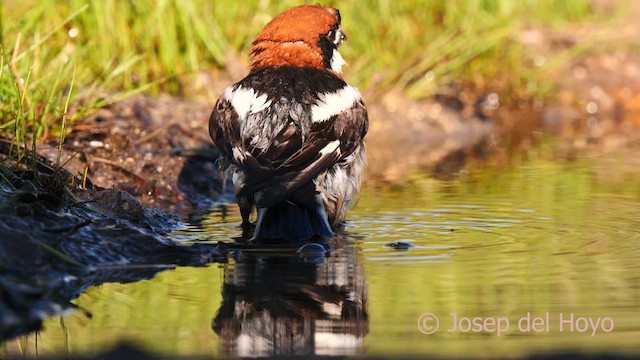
(155, 149)
(55, 241)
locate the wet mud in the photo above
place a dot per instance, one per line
(57, 240)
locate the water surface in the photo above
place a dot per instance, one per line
(542, 238)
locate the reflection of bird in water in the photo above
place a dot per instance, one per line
(280, 304)
(291, 132)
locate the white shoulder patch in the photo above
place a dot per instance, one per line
(334, 103)
(246, 101)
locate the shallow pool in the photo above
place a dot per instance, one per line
(540, 256)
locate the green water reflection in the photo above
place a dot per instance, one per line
(557, 237)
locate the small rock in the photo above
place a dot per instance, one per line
(120, 204)
(400, 245)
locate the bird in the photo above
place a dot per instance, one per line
(291, 133)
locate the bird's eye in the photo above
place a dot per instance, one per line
(337, 37)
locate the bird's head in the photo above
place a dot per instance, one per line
(306, 36)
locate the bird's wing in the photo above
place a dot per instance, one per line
(230, 114)
(329, 141)
(224, 127)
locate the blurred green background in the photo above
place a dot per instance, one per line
(89, 53)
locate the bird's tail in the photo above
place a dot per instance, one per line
(292, 223)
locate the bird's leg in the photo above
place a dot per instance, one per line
(246, 206)
(321, 214)
(262, 212)
(222, 173)
(311, 201)
(337, 215)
